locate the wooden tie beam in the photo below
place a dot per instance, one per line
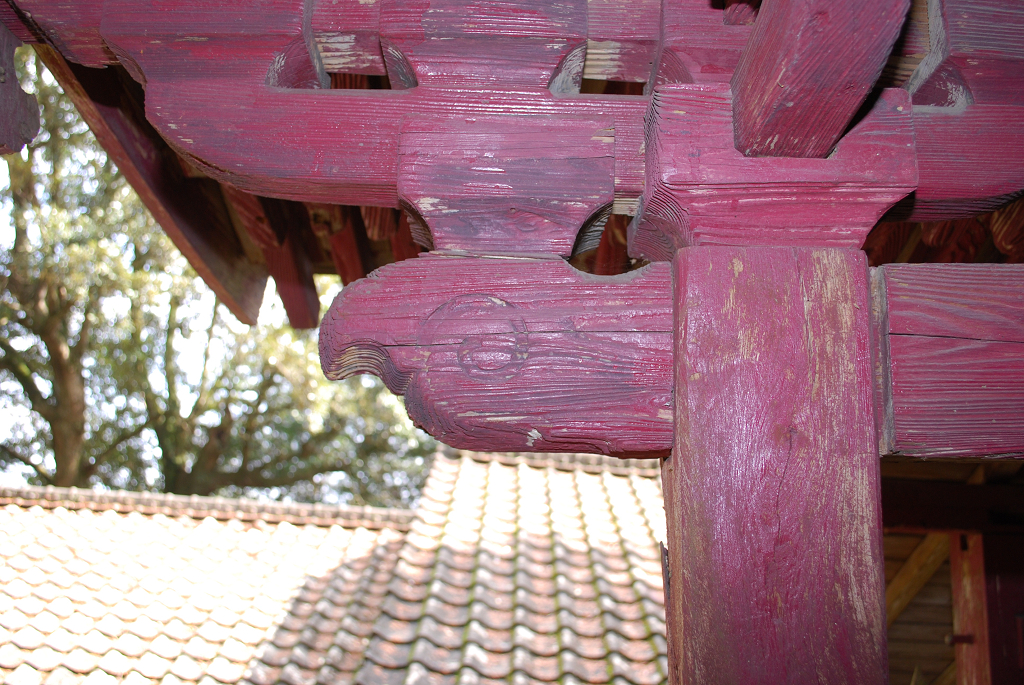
(757, 354)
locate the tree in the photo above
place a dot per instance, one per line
(120, 368)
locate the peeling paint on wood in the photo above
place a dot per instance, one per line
(772, 489)
(702, 191)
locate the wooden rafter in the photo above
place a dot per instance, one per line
(916, 571)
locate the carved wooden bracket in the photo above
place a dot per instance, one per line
(514, 354)
(702, 191)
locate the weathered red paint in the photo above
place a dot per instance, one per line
(950, 367)
(970, 613)
(19, 113)
(696, 44)
(806, 70)
(198, 227)
(514, 354)
(701, 191)
(772, 489)
(506, 184)
(976, 55)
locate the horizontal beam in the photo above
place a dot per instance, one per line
(950, 365)
(943, 505)
(191, 211)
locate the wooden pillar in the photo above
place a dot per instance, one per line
(775, 570)
(970, 615)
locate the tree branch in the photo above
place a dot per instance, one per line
(124, 437)
(13, 362)
(10, 452)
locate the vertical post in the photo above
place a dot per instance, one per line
(775, 570)
(970, 614)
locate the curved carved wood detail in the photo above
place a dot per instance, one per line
(515, 354)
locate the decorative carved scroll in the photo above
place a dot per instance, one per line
(514, 354)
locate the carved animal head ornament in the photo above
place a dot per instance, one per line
(515, 354)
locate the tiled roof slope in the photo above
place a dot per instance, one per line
(523, 574)
(512, 570)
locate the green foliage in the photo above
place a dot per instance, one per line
(118, 367)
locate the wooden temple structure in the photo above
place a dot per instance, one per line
(667, 229)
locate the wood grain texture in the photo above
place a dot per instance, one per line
(512, 43)
(286, 262)
(916, 571)
(771, 492)
(196, 222)
(344, 147)
(72, 28)
(514, 354)
(702, 191)
(970, 613)
(968, 159)
(19, 113)
(506, 184)
(696, 44)
(955, 339)
(972, 301)
(976, 54)
(957, 398)
(622, 38)
(803, 75)
(347, 36)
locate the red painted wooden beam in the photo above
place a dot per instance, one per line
(506, 184)
(194, 217)
(701, 191)
(277, 236)
(461, 43)
(19, 113)
(970, 613)
(696, 44)
(775, 570)
(950, 339)
(622, 38)
(976, 55)
(514, 354)
(968, 159)
(806, 70)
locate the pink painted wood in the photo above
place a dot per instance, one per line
(968, 159)
(347, 36)
(622, 39)
(702, 191)
(806, 70)
(696, 44)
(970, 613)
(207, 240)
(209, 92)
(952, 359)
(772, 489)
(514, 354)
(510, 43)
(290, 267)
(976, 55)
(19, 113)
(506, 184)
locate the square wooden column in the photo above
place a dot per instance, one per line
(775, 569)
